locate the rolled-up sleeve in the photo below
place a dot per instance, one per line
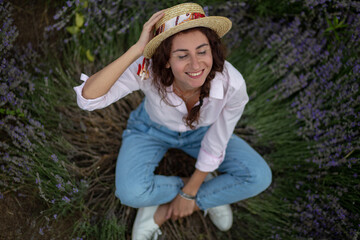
(128, 82)
(214, 143)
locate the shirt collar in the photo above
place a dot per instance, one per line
(217, 87)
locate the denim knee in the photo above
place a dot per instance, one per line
(133, 195)
(257, 179)
(262, 178)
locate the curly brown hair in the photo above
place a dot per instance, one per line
(163, 77)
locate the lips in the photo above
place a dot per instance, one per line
(195, 74)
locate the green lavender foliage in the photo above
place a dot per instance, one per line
(30, 164)
(300, 62)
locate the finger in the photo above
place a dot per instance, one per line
(155, 17)
(157, 14)
(151, 23)
(175, 214)
(175, 217)
(168, 213)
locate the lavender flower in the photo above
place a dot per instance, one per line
(66, 199)
(320, 75)
(21, 162)
(54, 158)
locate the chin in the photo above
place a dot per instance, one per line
(197, 84)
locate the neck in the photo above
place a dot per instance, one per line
(187, 95)
(185, 92)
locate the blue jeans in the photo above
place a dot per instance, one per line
(243, 173)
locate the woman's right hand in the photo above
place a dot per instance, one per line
(148, 30)
(101, 82)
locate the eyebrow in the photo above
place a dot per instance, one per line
(186, 50)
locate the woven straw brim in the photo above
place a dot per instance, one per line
(221, 25)
(178, 10)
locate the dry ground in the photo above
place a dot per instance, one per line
(18, 215)
(96, 138)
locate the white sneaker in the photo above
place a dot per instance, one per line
(144, 226)
(221, 216)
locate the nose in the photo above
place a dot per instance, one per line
(195, 63)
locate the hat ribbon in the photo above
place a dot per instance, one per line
(143, 70)
(177, 21)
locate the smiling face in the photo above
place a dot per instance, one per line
(190, 60)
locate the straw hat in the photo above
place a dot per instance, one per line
(181, 17)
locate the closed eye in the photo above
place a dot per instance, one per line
(184, 56)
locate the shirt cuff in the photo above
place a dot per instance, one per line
(207, 162)
(83, 103)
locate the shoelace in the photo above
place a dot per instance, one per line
(151, 234)
(216, 212)
(206, 212)
(157, 233)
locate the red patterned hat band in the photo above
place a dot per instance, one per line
(177, 21)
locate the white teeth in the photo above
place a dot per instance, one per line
(195, 74)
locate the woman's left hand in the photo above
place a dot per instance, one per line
(180, 207)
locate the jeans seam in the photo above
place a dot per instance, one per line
(149, 165)
(180, 184)
(198, 199)
(222, 189)
(225, 188)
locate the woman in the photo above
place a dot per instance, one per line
(193, 100)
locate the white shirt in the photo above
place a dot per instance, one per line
(222, 109)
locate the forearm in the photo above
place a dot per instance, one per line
(194, 183)
(101, 82)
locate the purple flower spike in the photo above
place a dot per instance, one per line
(66, 199)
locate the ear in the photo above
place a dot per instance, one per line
(167, 65)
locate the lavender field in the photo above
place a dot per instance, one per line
(300, 60)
